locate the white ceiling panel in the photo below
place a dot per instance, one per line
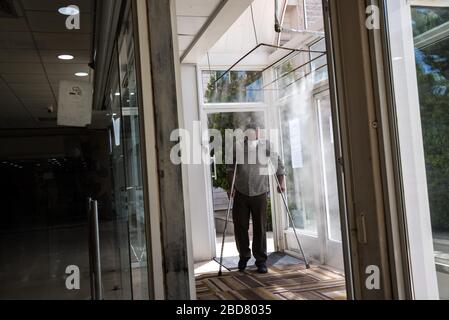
(196, 8)
(81, 56)
(56, 78)
(190, 25)
(42, 105)
(55, 68)
(54, 5)
(41, 21)
(13, 25)
(10, 103)
(32, 90)
(60, 41)
(184, 41)
(21, 68)
(16, 40)
(18, 122)
(37, 101)
(25, 78)
(17, 55)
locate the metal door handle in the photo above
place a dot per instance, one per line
(94, 250)
(215, 174)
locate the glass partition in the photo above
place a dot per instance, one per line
(133, 158)
(418, 33)
(232, 87)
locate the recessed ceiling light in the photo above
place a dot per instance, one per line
(117, 94)
(69, 11)
(81, 74)
(66, 57)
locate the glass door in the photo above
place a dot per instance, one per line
(127, 267)
(332, 226)
(312, 187)
(222, 121)
(418, 34)
(133, 159)
(307, 139)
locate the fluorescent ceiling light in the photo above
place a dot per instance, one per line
(69, 11)
(81, 74)
(66, 57)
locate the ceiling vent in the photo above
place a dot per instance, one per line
(7, 9)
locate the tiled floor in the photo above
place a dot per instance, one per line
(287, 280)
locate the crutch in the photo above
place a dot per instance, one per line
(284, 199)
(231, 201)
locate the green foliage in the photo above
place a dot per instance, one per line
(433, 72)
(221, 122)
(235, 86)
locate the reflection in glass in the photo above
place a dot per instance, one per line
(430, 25)
(132, 157)
(232, 87)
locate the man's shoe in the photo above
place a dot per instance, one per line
(262, 269)
(243, 264)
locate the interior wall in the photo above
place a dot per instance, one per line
(203, 242)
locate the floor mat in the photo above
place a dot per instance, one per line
(274, 259)
(283, 282)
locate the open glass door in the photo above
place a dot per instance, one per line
(312, 188)
(418, 38)
(308, 143)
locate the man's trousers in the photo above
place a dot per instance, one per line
(244, 208)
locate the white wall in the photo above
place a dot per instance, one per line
(203, 237)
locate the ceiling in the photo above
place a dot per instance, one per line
(30, 70)
(243, 36)
(191, 17)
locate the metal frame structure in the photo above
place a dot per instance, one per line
(292, 51)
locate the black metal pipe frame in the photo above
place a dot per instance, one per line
(292, 50)
(297, 68)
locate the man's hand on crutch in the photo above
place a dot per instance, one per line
(231, 181)
(281, 188)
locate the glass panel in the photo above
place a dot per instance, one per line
(234, 87)
(432, 60)
(420, 58)
(319, 61)
(114, 231)
(301, 155)
(132, 152)
(329, 168)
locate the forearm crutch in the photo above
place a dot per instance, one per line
(228, 215)
(284, 199)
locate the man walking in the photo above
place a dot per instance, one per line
(251, 196)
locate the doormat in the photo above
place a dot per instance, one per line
(274, 259)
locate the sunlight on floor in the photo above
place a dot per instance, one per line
(230, 250)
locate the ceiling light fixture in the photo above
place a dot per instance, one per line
(69, 11)
(66, 57)
(81, 74)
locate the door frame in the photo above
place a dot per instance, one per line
(418, 253)
(215, 108)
